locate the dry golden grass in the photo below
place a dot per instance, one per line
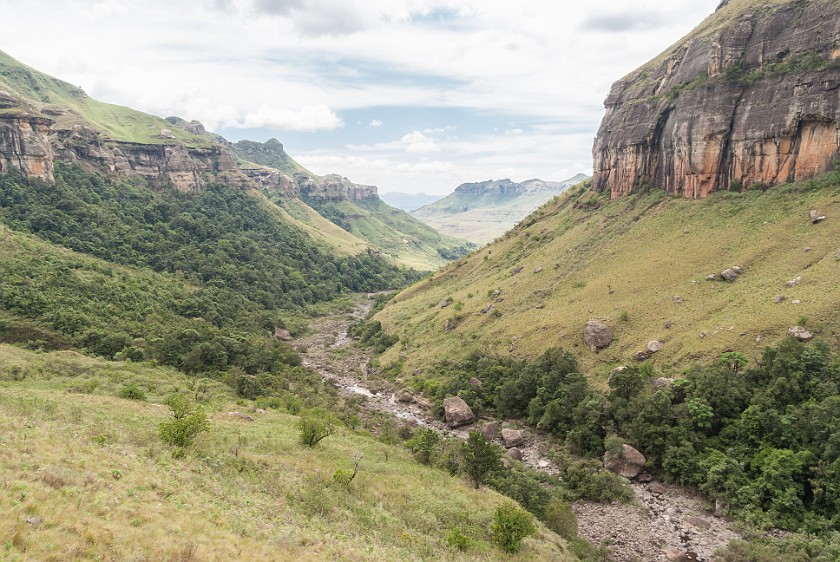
(85, 477)
(635, 255)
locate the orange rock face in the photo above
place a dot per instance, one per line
(757, 102)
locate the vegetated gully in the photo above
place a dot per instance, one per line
(663, 523)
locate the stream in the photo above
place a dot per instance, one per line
(664, 523)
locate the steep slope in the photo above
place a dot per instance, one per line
(637, 263)
(89, 477)
(749, 97)
(356, 209)
(481, 212)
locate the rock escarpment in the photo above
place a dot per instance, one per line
(750, 97)
(334, 188)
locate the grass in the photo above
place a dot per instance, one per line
(584, 257)
(87, 477)
(38, 91)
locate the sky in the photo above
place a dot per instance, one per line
(408, 95)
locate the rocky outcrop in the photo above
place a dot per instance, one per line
(751, 97)
(24, 143)
(334, 188)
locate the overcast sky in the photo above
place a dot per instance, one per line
(408, 95)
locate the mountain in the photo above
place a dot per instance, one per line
(408, 201)
(44, 121)
(748, 99)
(481, 212)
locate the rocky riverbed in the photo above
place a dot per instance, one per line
(664, 523)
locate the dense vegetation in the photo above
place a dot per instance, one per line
(763, 441)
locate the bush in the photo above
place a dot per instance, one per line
(186, 423)
(132, 392)
(510, 526)
(425, 445)
(560, 518)
(458, 540)
(314, 427)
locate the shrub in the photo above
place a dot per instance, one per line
(458, 540)
(132, 392)
(480, 458)
(313, 428)
(560, 518)
(425, 445)
(186, 423)
(510, 526)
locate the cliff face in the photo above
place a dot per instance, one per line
(24, 147)
(752, 97)
(334, 188)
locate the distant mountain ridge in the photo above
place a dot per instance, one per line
(408, 201)
(482, 211)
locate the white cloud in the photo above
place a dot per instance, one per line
(308, 118)
(376, 123)
(418, 143)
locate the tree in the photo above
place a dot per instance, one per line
(510, 526)
(313, 428)
(186, 423)
(480, 458)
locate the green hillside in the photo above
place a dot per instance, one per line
(68, 105)
(88, 477)
(636, 263)
(483, 212)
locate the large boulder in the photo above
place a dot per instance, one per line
(801, 333)
(457, 412)
(490, 430)
(512, 437)
(597, 335)
(728, 275)
(628, 462)
(515, 454)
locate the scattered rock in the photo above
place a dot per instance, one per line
(698, 522)
(445, 302)
(668, 324)
(241, 416)
(34, 521)
(597, 336)
(405, 397)
(496, 293)
(728, 275)
(167, 134)
(794, 282)
(800, 333)
(475, 382)
(540, 306)
(703, 335)
(663, 382)
(737, 269)
(490, 430)
(450, 325)
(628, 462)
(654, 346)
(538, 270)
(282, 335)
(808, 249)
(780, 299)
(657, 488)
(517, 270)
(675, 555)
(796, 301)
(711, 277)
(641, 356)
(515, 454)
(816, 216)
(678, 299)
(645, 478)
(457, 412)
(512, 437)
(758, 338)
(487, 308)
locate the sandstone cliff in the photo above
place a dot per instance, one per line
(750, 97)
(334, 188)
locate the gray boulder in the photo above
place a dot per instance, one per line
(816, 216)
(597, 335)
(628, 462)
(515, 454)
(457, 412)
(512, 437)
(490, 430)
(801, 333)
(654, 346)
(728, 275)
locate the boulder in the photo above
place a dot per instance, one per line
(457, 412)
(476, 382)
(711, 277)
(405, 397)
(668, 324)
(240, 416)
(512, 437)
(780, 299)
(793, 282)
(816, 216)
(282, 335)
(517, 270)
(728, 275)
(663, 382)
(737, 269)
(487, 308)
(698, 522)
(628, 462)
(515, 454)
(167, 134)
(645, 478)
(800, 333)
(597, 336)
(490, 430)
(677, 299)
(641, 356)
(657, 489)
(654, 346)
(675, 555)
(445, 302)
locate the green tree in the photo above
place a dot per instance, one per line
(510, 526)
(480, 458)
(186, 423)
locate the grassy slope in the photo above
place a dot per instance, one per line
(397, 233)
(636, 254)
(116, 123)
(307, 219)
(91, 467)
